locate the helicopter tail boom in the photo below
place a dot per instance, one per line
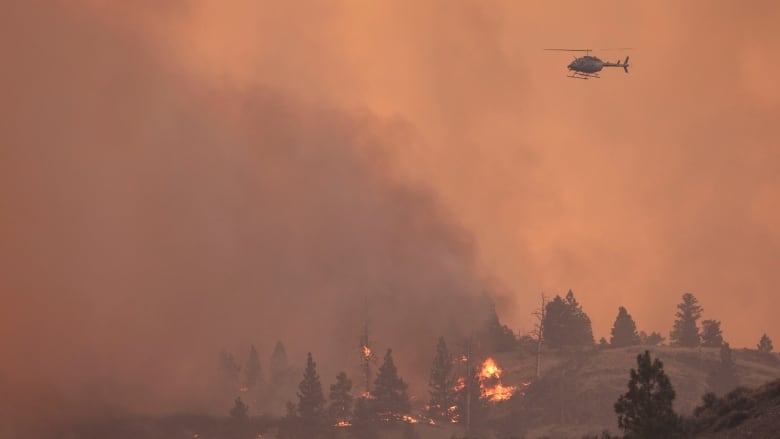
(623, 64)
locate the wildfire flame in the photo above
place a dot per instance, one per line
(343, 424)
(366, 352)
(490, 382)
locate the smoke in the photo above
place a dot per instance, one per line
(154, 217)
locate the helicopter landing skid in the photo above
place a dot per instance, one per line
(579, 75)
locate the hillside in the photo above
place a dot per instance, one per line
(577, 390)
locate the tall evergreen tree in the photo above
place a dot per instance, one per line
(494, 336)
(252, 369)
(471, 408)
(566, 324)
(645, 410)
(230, 368)
(441, 383)
(311, 401)
(390, 397)
(340, 395)
(711, 335)
(723, 378)
(765, 344)
(685, 331)
(624, 330)
(240, 410)
(280, 368)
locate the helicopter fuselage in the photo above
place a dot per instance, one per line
(587, 64)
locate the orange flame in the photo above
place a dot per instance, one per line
(343, 424)
(366, 352)
(490, 382)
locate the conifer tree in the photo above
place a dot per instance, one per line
(390, 397)
(441, 383)
(685, 331)
(711, 335)
(645, 410)
(252, 369)
(765, 344)
(603, 343)
(653, 339)
(624, 330)
(279, 367)
(566, 324)
(471, 408)
(723, 377)
(230, 368)
(340, 398)
(311, 401)
(240, 410)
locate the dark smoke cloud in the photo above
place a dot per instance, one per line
(151, 218)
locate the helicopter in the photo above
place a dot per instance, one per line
(589, 66)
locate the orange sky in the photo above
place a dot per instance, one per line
(163, 164)
(629, 190)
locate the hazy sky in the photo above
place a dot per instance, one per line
(174, 176)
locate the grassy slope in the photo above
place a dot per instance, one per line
(577, 392)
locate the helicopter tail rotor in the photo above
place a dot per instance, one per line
(625, 65)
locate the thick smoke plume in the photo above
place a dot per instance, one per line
(151, 218)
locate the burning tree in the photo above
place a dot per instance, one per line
(390, 400)
(441, 383)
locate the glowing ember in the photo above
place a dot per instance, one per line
(460, 384)
(366, 352)
(343, 424)
(409, 419)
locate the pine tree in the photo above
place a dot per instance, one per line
(240, 410)
(711, 335)
(566, 324)
(723, 377)
(603, 343)
(340, 398)
(645, 410)
(495, 336)
(765, 344)
(440, 383)
(471, 407)
(252, 369)
(685, 332)
(311, 401)
(280, 370)
(624, 330)
(390, 397)
(230, 368)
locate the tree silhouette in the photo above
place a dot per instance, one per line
(566, 324)
(311, 402)
(441, 383)
(685, 331)
(230, 368)
(390, 397)
(645, 410)
(252, 369)
(711, 335)
(765, 344)
(240, 410)
(723, 377)
(624, 330)
(340, 398)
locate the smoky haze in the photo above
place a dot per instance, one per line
(152, 218)
(174, 177)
